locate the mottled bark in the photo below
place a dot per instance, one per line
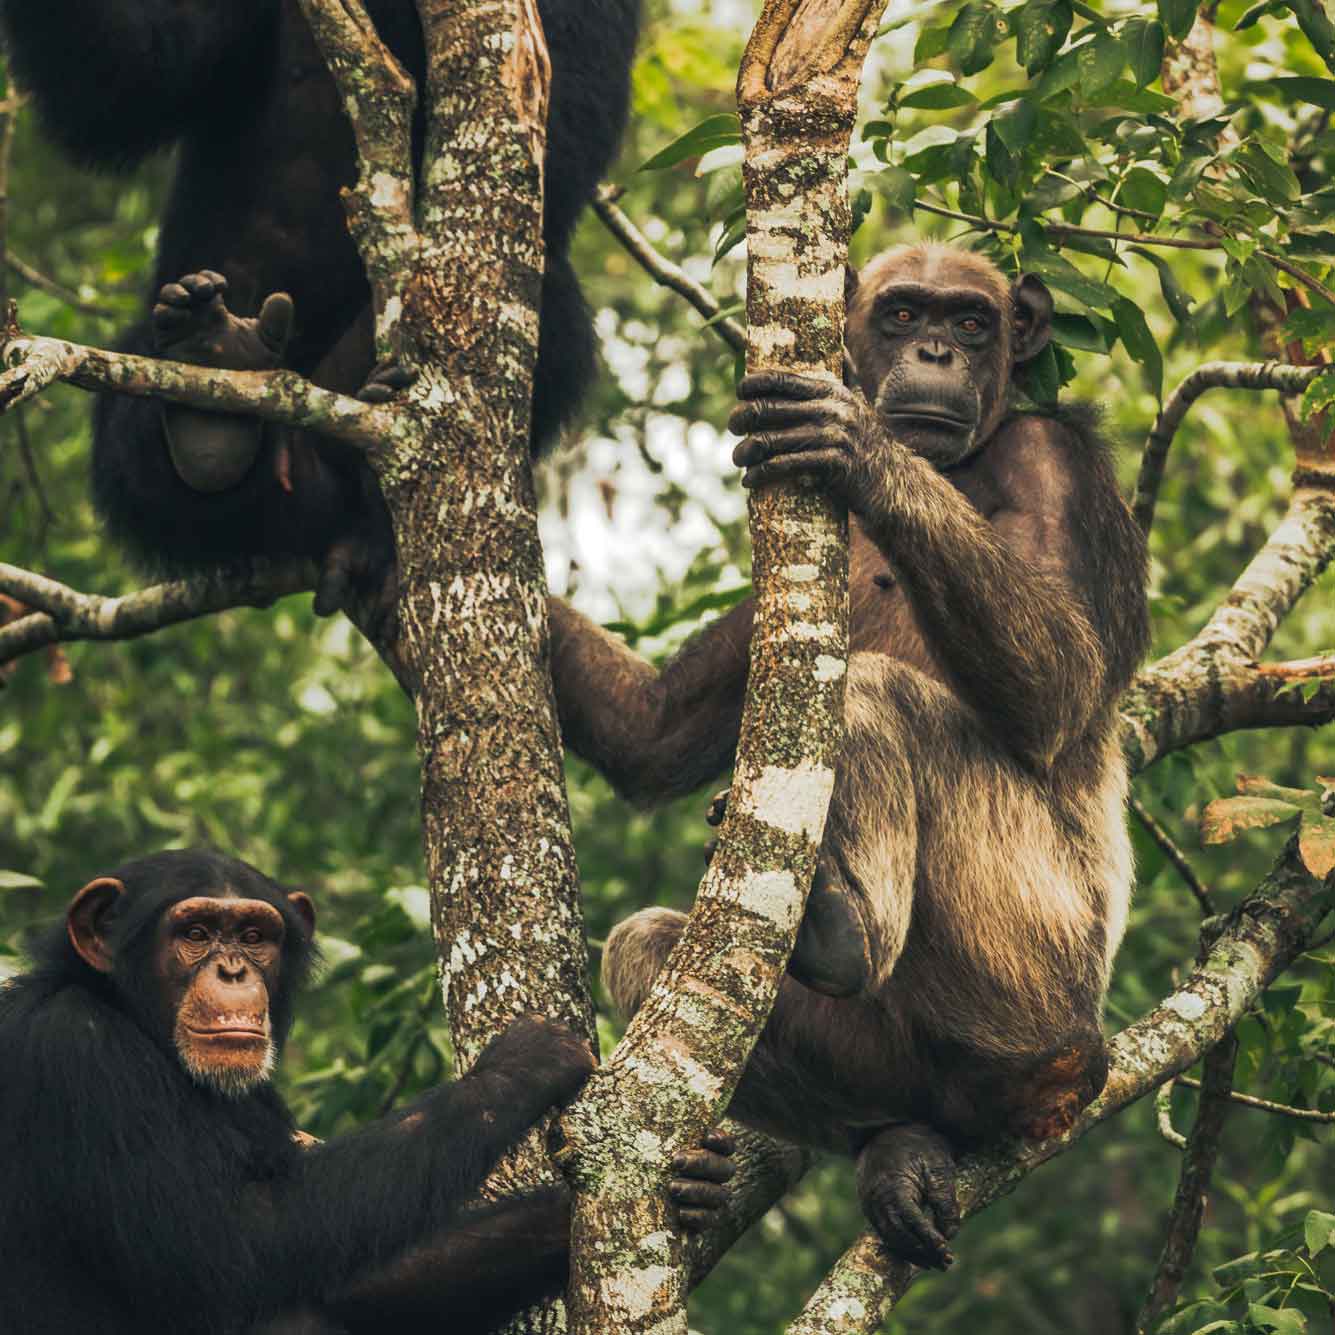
(33, 364)
(685, 1050)
(1261, 938)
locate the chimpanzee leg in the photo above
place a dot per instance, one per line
(823, 1067)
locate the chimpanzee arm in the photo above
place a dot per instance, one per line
(116, 79)
(1000, 600)
(654, 735)
(492, 1262)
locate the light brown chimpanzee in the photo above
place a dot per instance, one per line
(973, 883)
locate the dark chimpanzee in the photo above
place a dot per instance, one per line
(149, 1176)
(974, 879)
(264, 148)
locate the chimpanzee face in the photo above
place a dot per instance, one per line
(214, 974)
(935, 333)
(219, 961)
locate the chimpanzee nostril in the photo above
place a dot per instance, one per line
(935, 351)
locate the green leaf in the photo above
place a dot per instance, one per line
(1318, 396)
(1177, 16)
(1318, 1231)
(898, 187)
(1100, 62)
(1139, 342)
(18, 880)
(1016, 126)
(1040, 378)
(1286, 1320)
(1063, 275)
(1144, 41)
(1079, 332)
(1269, 176)
(1143, 190)
(931, 43)
(1316, 92)
(712, 132)
(1315, 325)
(938, 97)
(1040, 29)
(1258, 12)
(1174, 295)
(972, 38)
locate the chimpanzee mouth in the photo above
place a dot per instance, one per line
(252, 1033)
(929, 416)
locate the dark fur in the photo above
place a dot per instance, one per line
(264, 147)
(132, 1199)
(973, 880)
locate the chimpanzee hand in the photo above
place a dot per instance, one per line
(718, 808)
(191, 323)
(906, 1183)
(541, 1062)
(387, 380)
(698, 1189)
(797, 424)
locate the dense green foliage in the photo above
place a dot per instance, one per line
(280, 737)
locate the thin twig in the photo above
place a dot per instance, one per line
(1163, 1116)
(1059, 230)
(1174, 854)
(35, 278)
(1202, 1148)
(662, 270)
(1212, 375)
(35, 483)
(1265, 1105)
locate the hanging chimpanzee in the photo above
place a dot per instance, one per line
(973, 883)
(254, 216)
(149, 1178)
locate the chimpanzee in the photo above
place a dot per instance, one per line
(254, 215)
(149, 1176)
(973, 883)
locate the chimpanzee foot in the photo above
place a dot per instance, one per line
(1049, 1097)
(359, 572)
(906, 1183)
(386, 381)
(832, 955)
(191, 323)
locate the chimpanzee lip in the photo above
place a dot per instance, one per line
(929, 413)
(230, 1031)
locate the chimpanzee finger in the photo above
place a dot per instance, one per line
(198, 285)
(718, 807)
(275, 321)
(697, 1195)
(173, 294)
(334, 584)
(766, 414)
(783, 384)
(720, 1141)
(696, 1221)
(705, 1165)
(385, 382)
(217, 279)
(906, 1230)
(792, 465)
(797, 439)
(938, 1188)
(710, 849)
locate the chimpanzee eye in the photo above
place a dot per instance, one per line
(251, 936)
(902, 314)
(197, 933)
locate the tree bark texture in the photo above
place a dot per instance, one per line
(1261, 938)
(685, 1049)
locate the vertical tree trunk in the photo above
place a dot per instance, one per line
(685, 1050)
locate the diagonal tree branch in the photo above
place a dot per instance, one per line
(1262, 937)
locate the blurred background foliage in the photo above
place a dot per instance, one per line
(280, 737)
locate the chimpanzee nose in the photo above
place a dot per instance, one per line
(231, 969)
(935, 351)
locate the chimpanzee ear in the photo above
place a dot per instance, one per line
(1031, 304)
(305, 909)
(86, 921)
